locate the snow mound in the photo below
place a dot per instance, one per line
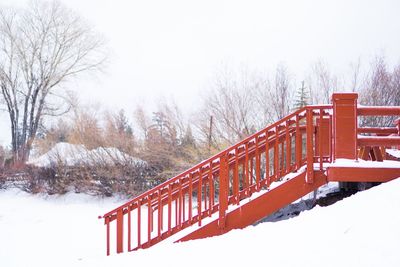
(73, 155)
(65, 153)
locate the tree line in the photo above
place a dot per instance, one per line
(236, 105)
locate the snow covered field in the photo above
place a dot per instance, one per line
(362, 230)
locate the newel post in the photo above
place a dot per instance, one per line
(344, 125)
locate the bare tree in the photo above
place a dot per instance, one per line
(41, 46)
(174, 116)
(281, 94)
(233, 106)
(142, 121)
(242, 102)
(395, 85)
(322, 83)
(266, 111)
(356, 76)
(380, 89)
(86, 128)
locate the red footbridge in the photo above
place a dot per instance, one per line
(256, 177)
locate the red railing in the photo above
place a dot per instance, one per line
(224, 179)
(371, 141)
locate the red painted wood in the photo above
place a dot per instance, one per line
(310, 147)
(335, 137)
(358, 174)
(120, 232)
(378, 141)
(378, 111)
(223, 191)
(345, 125)
(260, 207)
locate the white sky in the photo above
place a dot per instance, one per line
(164, 49)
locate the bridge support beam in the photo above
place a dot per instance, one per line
(357, 174)
(345, 125)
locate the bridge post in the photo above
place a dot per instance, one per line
(344, 125)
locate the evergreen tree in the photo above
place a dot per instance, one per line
(301, 98)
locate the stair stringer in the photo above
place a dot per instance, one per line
(261, 206)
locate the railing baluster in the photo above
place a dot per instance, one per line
(258, 166)
(149, 221)
(251, 172)
(267, 158)
(282, 159)
(162, 216)
(180, 204)
(236, 177)
(276, 154)
(320, 140)
(169, 208)
(107, 222)
(152, 219)
(159, 224)
(190, 196)
(298, 142)
(205, 195)
(210, 178)
(176, 211)
(183, 207)
(120, 231)
(139, 224)
(199, 200)
(246, 170)
(310, 151)
(223, 190)
(288, 152)
(129, 229)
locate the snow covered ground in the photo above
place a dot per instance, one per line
(71, 155)
(394, 152)
(362, 230)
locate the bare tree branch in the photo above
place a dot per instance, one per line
(40, 47)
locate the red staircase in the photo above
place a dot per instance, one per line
(302, 151)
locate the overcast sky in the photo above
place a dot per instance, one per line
(172, 49)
